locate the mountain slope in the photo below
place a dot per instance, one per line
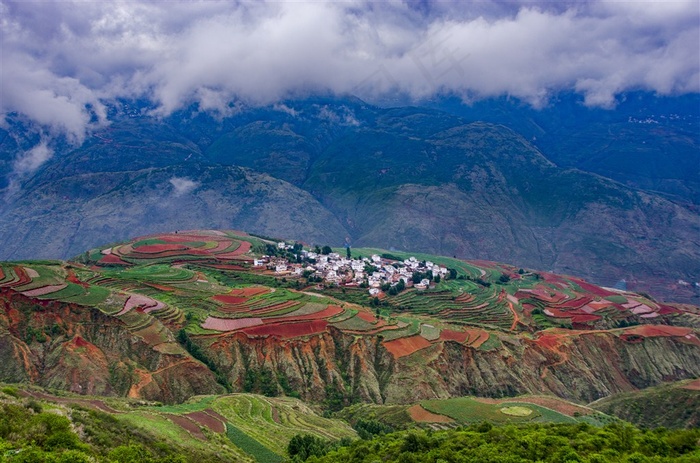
(407, 178)
(674, 405)
(168, 316)
(75, 212)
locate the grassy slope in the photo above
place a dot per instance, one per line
(258, 428)
(671, 406)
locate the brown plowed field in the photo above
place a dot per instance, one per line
(188, 425)
(328, 312)
(242, 249)
(229, 324)
(421, 415)
(650, 331)
(229, 299)
(111, 259)
(288, 330)
(44, 290)
(159, 248)
(449, 335)
(694, 386)
(368, 317)
(205, 419)
(249, 292)
(23, 278)
(216, 415)
(406, 346)
(593, 289)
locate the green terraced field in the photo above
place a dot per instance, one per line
(262, 426)
(466, 410)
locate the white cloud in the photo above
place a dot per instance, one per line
(183, 185)
(62, 59)
(31, 160)
(281, 107)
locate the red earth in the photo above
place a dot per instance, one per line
(205, 419)
(597, 290)
(229, 324)
(477, 337)
(328, 312)
(23, 277)
(229, 299)
(406, 346)
(249, 292)
(274, 308)
(111, 259)
(159, 248)
(288, 330)
(242, 249)
(449, 335)
(366, 316)
(659, 330)
(188, 425)
(421, 415)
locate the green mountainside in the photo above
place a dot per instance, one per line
(40, 426)
(670, 405)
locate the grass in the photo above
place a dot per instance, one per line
(251, 446)
(95, 295)
(516, 411)
(466, 410)
(274, 421)
(617, 299)
(70, 291)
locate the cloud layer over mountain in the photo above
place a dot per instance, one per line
(62, 60)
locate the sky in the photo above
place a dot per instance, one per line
(63, 62)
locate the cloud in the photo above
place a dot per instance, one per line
(183, 186)
(281, 107)
(62, 61)
(31, 160)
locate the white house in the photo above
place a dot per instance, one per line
(279, 268)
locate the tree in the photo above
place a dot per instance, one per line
(326, 250)
(303, 446)
(348, 254)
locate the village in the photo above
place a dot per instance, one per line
(376, 273)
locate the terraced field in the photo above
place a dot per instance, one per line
(449, 413)
(203, 282)
(250, 428)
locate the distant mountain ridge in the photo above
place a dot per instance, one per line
(404, 178)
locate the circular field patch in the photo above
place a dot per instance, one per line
(516, 411)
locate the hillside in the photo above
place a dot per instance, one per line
(327, 170)
(38, 425)
(675, 405)
(239, 427)
(169, 316)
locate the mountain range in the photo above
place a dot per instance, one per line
(554, 189)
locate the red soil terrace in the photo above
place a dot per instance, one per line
(406, 346)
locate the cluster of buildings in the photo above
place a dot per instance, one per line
(373, 272)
